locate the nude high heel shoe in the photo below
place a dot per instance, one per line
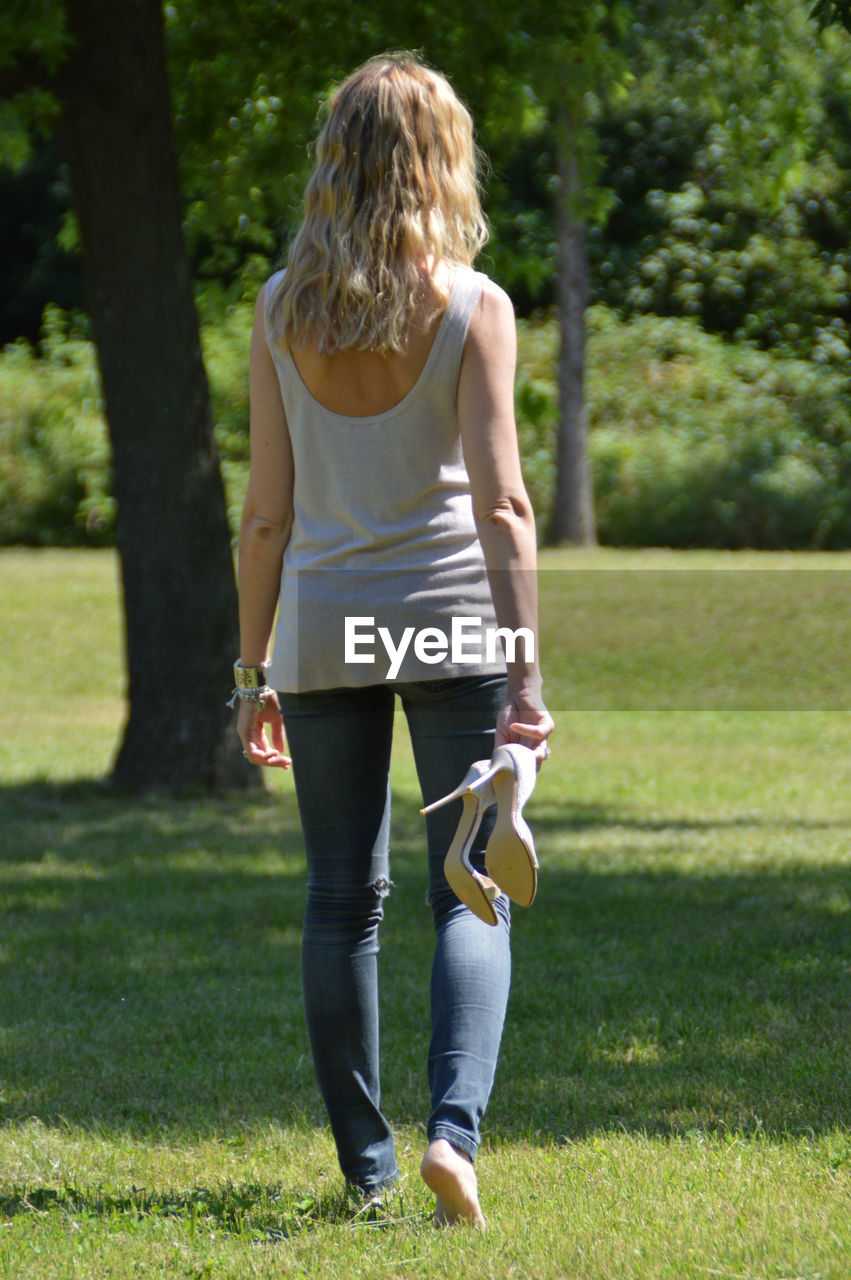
(510, 857)
(473, 889)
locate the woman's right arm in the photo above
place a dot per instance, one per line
(264, 532)
(504, 517)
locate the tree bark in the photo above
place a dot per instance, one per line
(573, 510)
(176, 562)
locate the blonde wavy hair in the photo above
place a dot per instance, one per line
(394, 185)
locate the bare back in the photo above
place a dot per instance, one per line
(360, 384)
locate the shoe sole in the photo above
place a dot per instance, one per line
(473, 889)
(509, 859)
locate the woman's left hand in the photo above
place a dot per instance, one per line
(525, 719)
(251, 727)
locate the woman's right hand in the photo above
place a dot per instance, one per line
(525, 719)
(251, 727)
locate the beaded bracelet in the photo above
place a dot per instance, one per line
(256, 695)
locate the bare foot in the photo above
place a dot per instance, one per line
(449, 1173)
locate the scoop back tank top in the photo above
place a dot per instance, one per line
(383, 528)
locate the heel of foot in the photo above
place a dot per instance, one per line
(449, 1173)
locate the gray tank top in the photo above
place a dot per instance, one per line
(383, 540)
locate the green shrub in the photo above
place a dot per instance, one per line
(693, 441)
(55, 485)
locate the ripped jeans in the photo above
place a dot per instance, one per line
(340, 740)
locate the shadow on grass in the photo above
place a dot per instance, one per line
(259, 1213)
(150, 957)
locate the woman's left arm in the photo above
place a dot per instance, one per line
(267, 517)
(503, 514)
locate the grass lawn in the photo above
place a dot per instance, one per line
(673, 1096)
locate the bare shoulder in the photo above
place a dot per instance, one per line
(494, 301)
(494, 311)
(492, 324)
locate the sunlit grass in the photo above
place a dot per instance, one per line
(673, 1093)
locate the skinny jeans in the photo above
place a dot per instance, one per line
(340, 740)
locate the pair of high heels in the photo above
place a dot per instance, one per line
(507, 780)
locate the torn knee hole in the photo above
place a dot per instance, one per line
(382, 887)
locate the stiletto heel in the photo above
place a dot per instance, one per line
(476, 891)
(471, 779)
(510, 857)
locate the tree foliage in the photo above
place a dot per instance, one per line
(730, 166)
(745, 104)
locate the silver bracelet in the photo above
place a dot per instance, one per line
(253, 677)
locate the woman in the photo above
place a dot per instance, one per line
(385, 479)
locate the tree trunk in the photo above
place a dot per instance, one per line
(573, 511)
(176, 562)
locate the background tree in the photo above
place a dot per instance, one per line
(583, 63)
(102, 63)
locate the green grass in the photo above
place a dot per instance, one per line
(673, 1095)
